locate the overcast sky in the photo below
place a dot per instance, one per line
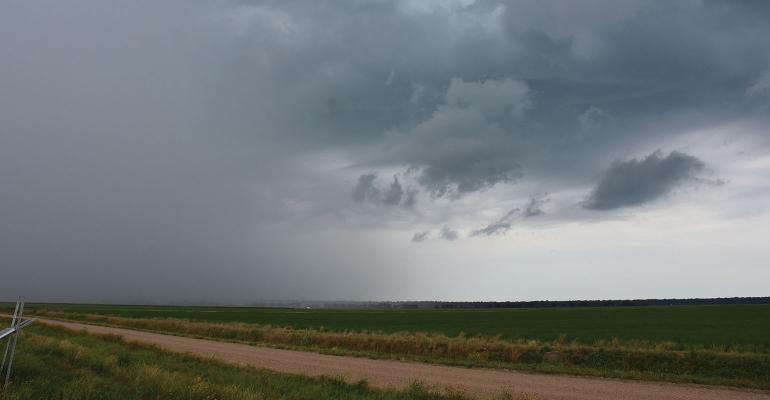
(236, 151)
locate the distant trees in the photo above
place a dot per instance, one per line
(570, 303)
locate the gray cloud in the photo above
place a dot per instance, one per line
(492, 98)
(535, 206)
(495, 228)
(499, 227)
(199, 142)
(394, 193)
(592, 119)
(365, 189)
(420, 236)
(633, 182)
(462, 147)
(411, 198)
(573, 89)
(761, 87)
(448, 234)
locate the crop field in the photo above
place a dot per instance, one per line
(54, 363)
(731, 326)
(719, 345)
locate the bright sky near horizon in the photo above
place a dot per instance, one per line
(234, 151)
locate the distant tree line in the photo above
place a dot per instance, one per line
(470, 304)
(566, 303)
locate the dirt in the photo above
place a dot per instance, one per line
(476, 382)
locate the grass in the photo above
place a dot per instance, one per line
(739, 327)
(666, 361)
(54, 363)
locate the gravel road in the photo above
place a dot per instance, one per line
(476, 382)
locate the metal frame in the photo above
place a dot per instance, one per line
(12, 333)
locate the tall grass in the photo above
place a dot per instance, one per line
(624, 359)
(58, 364)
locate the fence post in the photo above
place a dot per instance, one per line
(10, 349)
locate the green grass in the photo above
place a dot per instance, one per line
(718, 345)
(54, 363)
(731, 326)
(665, 361)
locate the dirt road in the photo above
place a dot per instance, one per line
(477, 382)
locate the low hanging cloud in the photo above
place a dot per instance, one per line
(535, 206)
(420, 236)
(448, 234)
(366, 190)
(495, 228)
(633, 182)
(499, 227)
(445, 233)
(394, 193)
(411, 198)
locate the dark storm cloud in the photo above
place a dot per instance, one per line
(477, 96)
(633, 182)
(171, 150)
(394, 193)
(365, 189)
(561, 83)
(462, 147)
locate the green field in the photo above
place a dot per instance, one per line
(53, 363)
(733, 326)
(718, 345)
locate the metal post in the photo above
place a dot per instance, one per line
(10, 360)
(13, 324)
(18, 313)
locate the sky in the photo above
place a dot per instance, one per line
(238, 151)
